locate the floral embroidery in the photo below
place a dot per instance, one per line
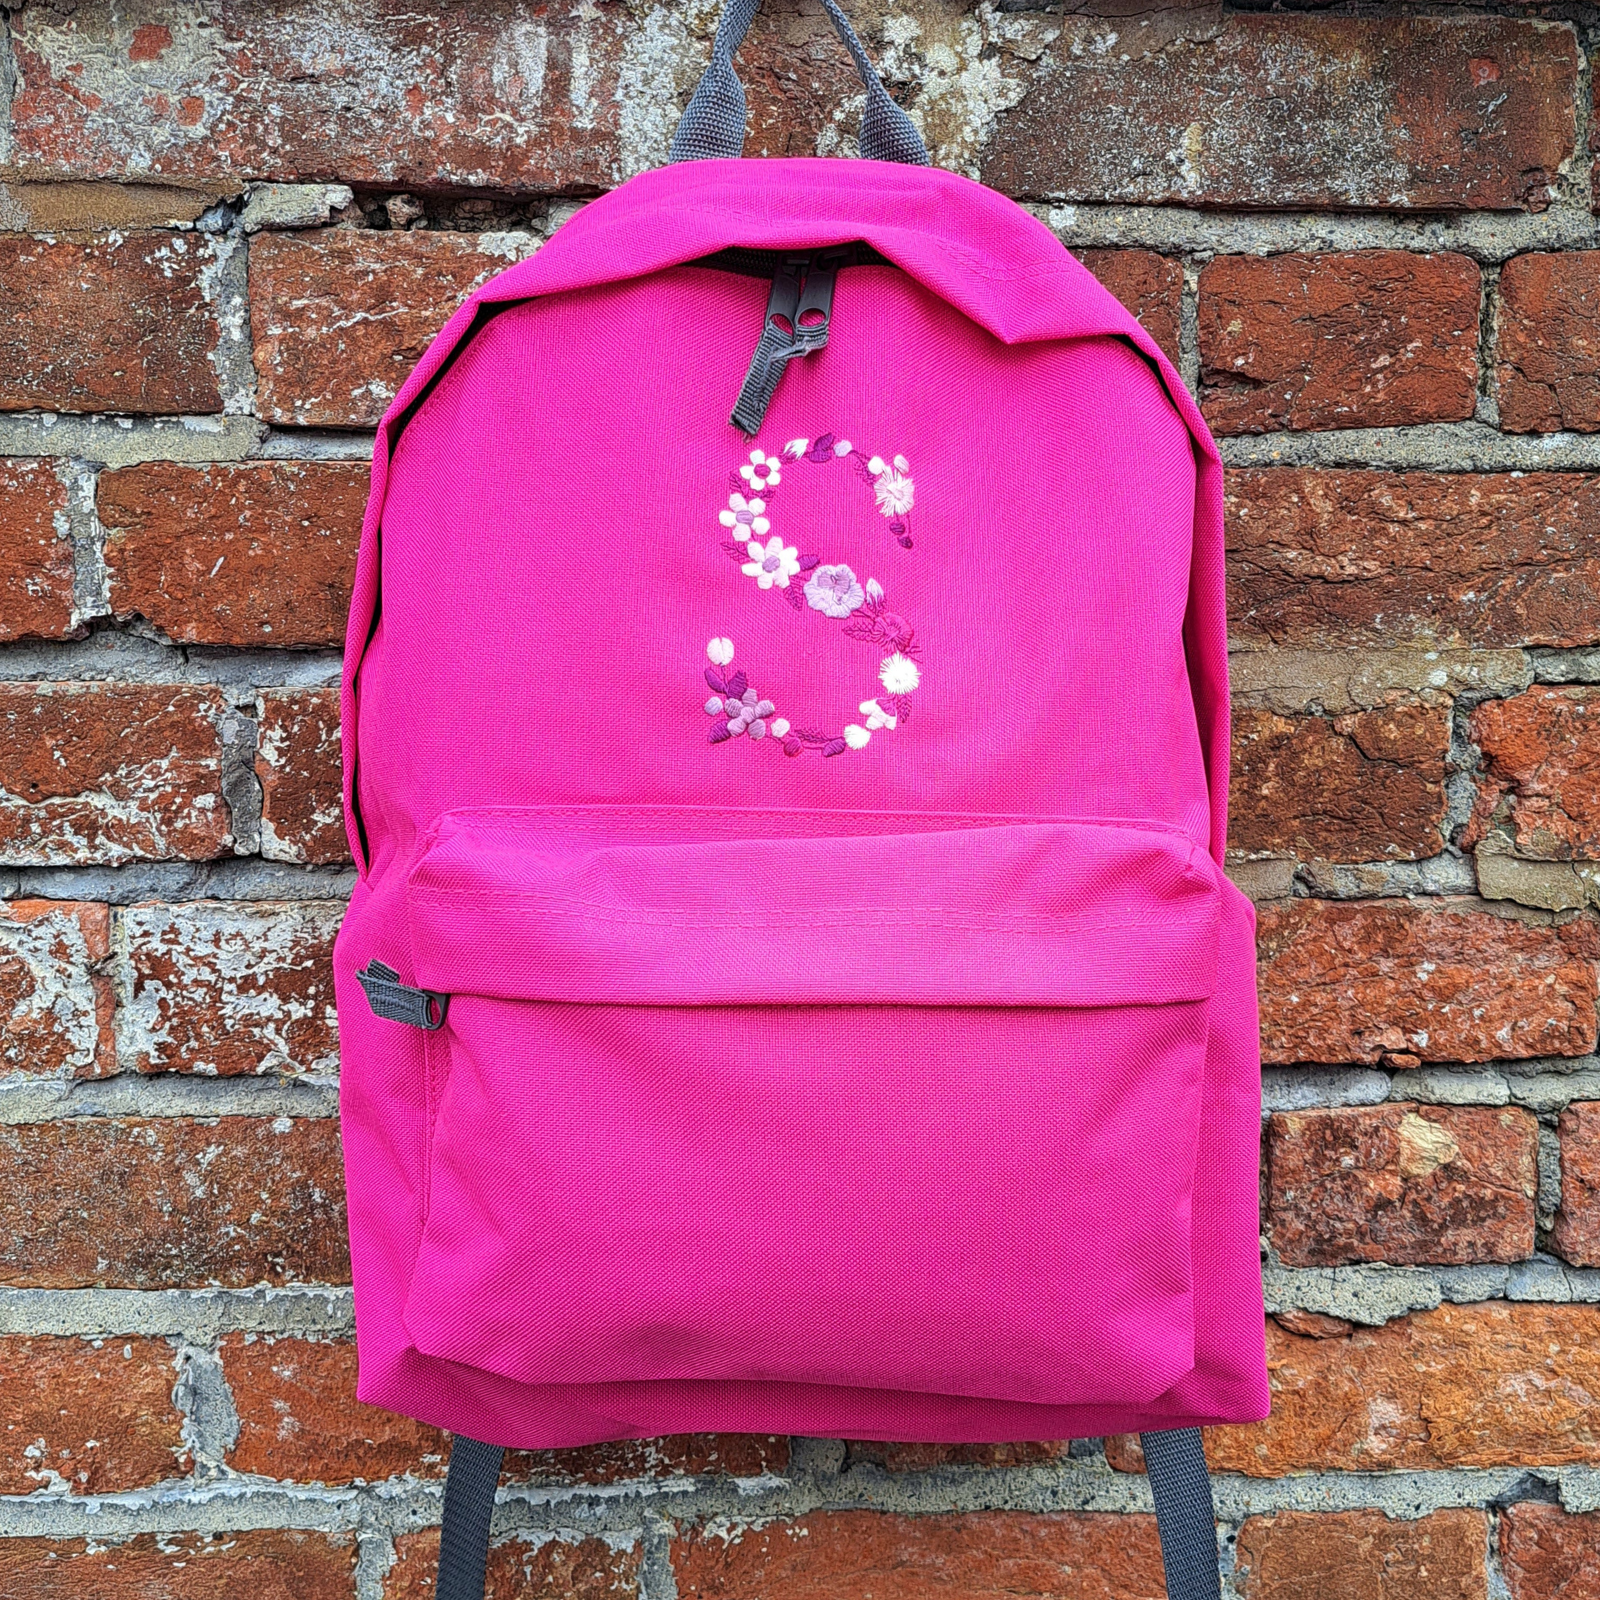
(747, 515)
(772, 563)
(831, 589)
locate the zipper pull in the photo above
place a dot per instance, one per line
(798, 312)
(396, 1002)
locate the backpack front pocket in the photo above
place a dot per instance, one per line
(789, 1098)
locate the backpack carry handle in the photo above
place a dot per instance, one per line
(712, 127)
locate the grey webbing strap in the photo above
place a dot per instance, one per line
(1185, 1515)
(713, 122)
(468, 1505)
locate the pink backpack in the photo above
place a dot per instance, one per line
(792, 986)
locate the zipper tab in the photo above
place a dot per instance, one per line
(799, 310)
(396, 1002)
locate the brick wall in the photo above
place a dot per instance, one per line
(227, 229)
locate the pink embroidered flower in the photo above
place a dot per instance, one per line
(834, 591)
(772, 563)
(762, 471)
(748, 714)
(746, 517)
(877, 717)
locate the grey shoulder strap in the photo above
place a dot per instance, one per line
(1175, 1461)
(713, 122)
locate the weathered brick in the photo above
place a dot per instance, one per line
(172, 1203)
(1577, 1231)
(1542, 766)
(1547, 351)
(1327, 559)
(575, 1569)
(1493, 1385)
(340, 317)
(1550, 1554)
(1402, 1184)
(112, 772)
(681, 1455)
(90, 1416)
(36, 571)
(1364, 339)
(1149, 285)
(299, 1418)
(1346, 981)
(1313, 1324)
(55, 995)
(1402, 112)
(918, 1457)
(996, 1555)
(298, 765)
(275, 1565)
(1298, 1555)
(1353, 788)
(116, 322)
(223, 988)
(260, 554)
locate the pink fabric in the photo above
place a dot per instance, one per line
(906, 1092)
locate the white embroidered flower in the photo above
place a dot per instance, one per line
(898, 674)
(796, 448)
(772, 563)
(761, 471)
(720, 651)
(778, 727)
(746, 517)
(856, 737)
(876, 716)
(895, 491)
(834, 591)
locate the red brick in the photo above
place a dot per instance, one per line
(36, 572)
(298, 763)
(340, 317)
(682, 1455)
(1294, 111)
(996, 1555)
(1549, 1554)
(91, 1416)
(276, 1565)
(1547, 351)
(1364, 1555)
(1577, 1231)
(299, 1418)
(1353, 788)
(1542, 769)
(1493, 1385)
(114, 322)
(1347, 981)
(172, 1203)
(574, 1569)
(1313, 1324)
(55, 995)
(223, 988)
(1367, 339)
(1402, 1184)
(262, 554)
(1327, 559)
(111, 772)
(915, 1457)
(1149, 285)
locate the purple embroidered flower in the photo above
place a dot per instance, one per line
(834, 591)
(746, 517)
(747, 714)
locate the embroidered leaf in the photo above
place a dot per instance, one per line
(835, 747)
(735, 483)
(795, 596)
(808, 562)
(719, 733)
(810, 735)
(792, 746)
(737, 551)
(905, 539)
(898, 527)
(822, 450)
(867, 628)
(715, 680)
(737, 684)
